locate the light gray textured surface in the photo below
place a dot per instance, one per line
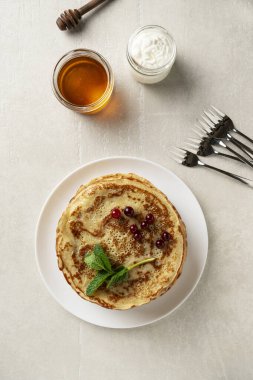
(210, 336)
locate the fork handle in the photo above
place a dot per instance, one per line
(227, 173)
(239, 155)
(241, 146)
(230, 156)
(238, 145)
(243, 135)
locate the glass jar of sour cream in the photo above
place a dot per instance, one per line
(151, 52)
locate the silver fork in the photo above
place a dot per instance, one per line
(204, 148)
(189, 159)
(210, 126)
(226, 119)
(221, 126)
(205, 130)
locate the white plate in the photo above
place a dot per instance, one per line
(180, 196)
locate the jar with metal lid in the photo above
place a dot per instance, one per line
(151, 53)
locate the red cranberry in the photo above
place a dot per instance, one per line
(116, 213)
(138, 235)
(165, 236)
(129, 211)
(159, 243)
(133, 228)
(150, 218)
(144, 224)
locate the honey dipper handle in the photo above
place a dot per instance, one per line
(89, 6)
(70, 18)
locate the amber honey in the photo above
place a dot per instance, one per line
(82, 81)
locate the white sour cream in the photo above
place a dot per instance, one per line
(151, 49)
(151, 53)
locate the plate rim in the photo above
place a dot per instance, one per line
(65, 178)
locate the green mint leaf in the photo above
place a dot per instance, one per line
(120, 276)
(97, 281)
(102, 259)
(91, 261)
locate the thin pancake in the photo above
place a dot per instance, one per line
(87, 221)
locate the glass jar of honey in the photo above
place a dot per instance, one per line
(83, 81)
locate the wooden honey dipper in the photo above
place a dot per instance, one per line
(70, 18)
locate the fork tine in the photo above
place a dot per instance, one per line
(189, 144)
(210, 124)
(211, 117)
(192, 145)
(198, 133)
(178, 155)
(200, 127)
(191, 149)
(194, 140)
(218, 117)
(204, 126)
(181, 149)
(177, 152)
(218, 111)
(178, 161)
(175, 158)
